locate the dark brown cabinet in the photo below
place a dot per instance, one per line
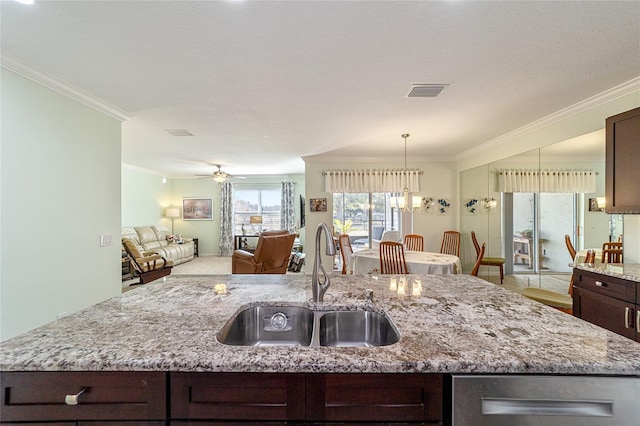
(397, 398)
(79, 398)
(307, 398)
(608, 302)
(237, 396)
(177, 398)
(622, 153)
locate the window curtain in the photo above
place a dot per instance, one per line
(226, 219)
(337, 181)
(562, 181)
(288, 208)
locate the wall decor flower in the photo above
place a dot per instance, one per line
(471, 206)
(443, 205)
(428, 205)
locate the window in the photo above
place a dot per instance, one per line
(364, 216)
(264, 202)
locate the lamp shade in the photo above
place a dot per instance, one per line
(172, 212)
(255, 219)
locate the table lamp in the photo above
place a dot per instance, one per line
(256, 220)
(172, 213)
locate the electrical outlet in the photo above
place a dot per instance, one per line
(106, 240)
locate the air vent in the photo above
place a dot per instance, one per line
(179, 132)
(426, 90)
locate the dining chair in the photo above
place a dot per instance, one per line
(388, 235)
(345, 250)
(572, 250)
(392, 259)
(414, 242)
(612, 252)
(489, 261)
(476, 267)
(450, 243)
(559, 301)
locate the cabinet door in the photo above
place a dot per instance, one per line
(42, 396)
(613, 314)
(374, 397)
(637, 323)
(237, 396)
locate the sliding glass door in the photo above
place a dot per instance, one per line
(364, 216)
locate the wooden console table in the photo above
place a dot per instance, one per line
(522, 251)
(242, 242)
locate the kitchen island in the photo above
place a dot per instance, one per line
(456, 324)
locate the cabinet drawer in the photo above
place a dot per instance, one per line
(603, 284)
(39, 396)
(394, 398)
(237, 396)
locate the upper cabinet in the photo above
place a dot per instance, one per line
(623, 167)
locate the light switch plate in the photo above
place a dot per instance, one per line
(106, 240)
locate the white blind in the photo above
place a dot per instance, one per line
(564, 181)
(371, 180)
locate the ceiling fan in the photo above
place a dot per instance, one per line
(219, 176)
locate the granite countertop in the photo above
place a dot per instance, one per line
(626, 271)
(457, 324)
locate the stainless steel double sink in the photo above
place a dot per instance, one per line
(264, 325)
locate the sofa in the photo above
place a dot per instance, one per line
(153, 239)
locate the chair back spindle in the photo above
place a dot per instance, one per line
(414, 242)
(392, 259)
(451, 243)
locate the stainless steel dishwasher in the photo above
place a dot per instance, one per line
(514, 400)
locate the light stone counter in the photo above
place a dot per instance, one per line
(458, 324)
(626, 271)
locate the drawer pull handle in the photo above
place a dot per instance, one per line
(73, 399)
(600, 284)
(627, 313)
(638, 320)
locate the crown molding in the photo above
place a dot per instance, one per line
(53, 84)
(565, 113)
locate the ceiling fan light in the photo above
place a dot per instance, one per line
(220, 177)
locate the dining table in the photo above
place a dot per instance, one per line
(367, 261)
(581, 255)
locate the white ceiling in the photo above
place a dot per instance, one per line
(262, 84)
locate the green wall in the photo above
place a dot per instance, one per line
(60, 190)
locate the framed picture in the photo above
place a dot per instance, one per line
(593, 205)
(197, 209)
(318, 204)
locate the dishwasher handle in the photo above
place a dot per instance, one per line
(547, 407)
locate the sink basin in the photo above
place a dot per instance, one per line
(269, 326)
(299, 326)
(357, 328)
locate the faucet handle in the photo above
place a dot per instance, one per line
(368, 294)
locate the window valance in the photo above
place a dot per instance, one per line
(371, 180)
(564, 181)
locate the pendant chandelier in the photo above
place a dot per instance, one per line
(405, 202)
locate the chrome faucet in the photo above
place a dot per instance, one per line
(319, 285)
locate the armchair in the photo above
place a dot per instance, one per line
(272, 255)
(149, 266)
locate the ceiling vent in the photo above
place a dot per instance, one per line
(179, 132)
(426, 90)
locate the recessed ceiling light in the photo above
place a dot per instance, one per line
(425, 90)
(179, 132)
